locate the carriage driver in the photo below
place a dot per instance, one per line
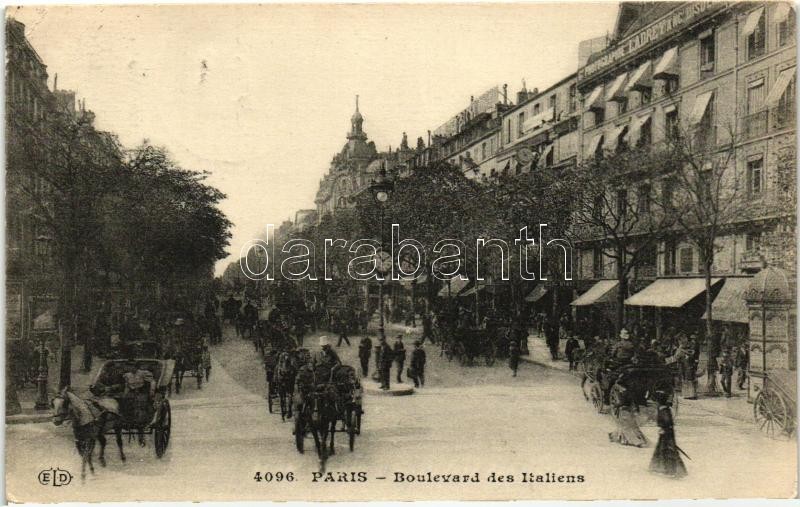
(325, 361)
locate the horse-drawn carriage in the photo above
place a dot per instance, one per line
(140, 387)
(331, 406)
(280, 366)
(185, 345)
(640, 379)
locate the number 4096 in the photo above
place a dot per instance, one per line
(274, 476)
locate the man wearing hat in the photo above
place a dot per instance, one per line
(385, 357)
(624, 349)
(399, 356)
(418, 364)
(364, 351)
(325, 360)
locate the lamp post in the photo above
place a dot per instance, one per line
(381, 188)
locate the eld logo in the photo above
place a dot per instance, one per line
(54, 477)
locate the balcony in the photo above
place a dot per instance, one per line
(751, 261)
(783, 117)
(755, 125)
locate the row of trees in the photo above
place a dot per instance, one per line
(129, 220)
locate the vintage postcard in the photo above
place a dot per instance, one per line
(401, 251)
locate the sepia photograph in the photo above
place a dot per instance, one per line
(401, 252)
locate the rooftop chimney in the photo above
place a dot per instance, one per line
(505, 94)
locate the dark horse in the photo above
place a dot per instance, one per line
(285, 373)
(188, 360)
(90, 421)
(319, 414)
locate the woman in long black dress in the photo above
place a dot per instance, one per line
(666, 458)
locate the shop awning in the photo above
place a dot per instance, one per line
(667, 65)
(636, 127)
(782, 10)
(729, 305)
(670, 292)
(595, 144)
(456, 285)
(601, 292)
(752, 21)
(615, 136)
(617, 90)
(595, 100)
(779, 88)
(544, 154)
(699, 108)
(536, 294)
(641, 77)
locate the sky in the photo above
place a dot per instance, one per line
(261, 96)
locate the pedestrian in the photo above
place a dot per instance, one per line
(742, 363)
(418, 359)
(206, 361)
(712, 367)
(571, 351)
(364, 351)
(427, 327)
(385, 358)
(726, 369)
(688, 365)
(513, 357)
(627, 432)
(399, 356)
(551, 338)
(342, 324)
(666, 458)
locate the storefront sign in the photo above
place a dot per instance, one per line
(667, 25)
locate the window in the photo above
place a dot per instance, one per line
(671, 127)
(755, 170)
(520, 122)
(646, 133)
(508, 131)
(597, 263)
(670, 258)
(573, 97)
(645, 95)
(667, 192)
(597, 208)
(643, 199)
(671, 85)
(599, 116)
(483, 151)
(784, 112)
(622, 202)
(687, 259)
(552, 102)
(535, 109)
(755, 96)
(786, 29)
(753, 242)
(707, 53)
(756, 41)
(548, 160)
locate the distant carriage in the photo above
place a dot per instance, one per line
(144, 407)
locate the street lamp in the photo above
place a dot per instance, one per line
(381, 187)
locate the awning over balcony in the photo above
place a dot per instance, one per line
(752, 21)
(595, 100)
(670, 292)
(601, 292)
(545, 153)
(617, 90)
(782, 10)
(641, 77)
(615, 136)
(729, 305)
(668, 65)
(595, 144)
(636, 127)
(700, 107)
(538, 120)
(779, 88)
(536, 294)
(456, 285)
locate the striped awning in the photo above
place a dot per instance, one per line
(668, 65)
(617, 90)
(641, 77)
(730, 305)
(699, 108)
(752, 21)
(779, 88)
(595, 100)
(601, 292)
(670, 292)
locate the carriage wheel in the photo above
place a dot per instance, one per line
(596, 395)
(771, 414)
(350, 421)
(299, 433)
(162, 431)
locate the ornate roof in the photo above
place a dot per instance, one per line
(770, 285)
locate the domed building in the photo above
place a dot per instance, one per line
(353, 168)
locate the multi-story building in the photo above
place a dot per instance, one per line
(723, 72)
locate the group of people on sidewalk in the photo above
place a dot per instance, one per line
(386, 356)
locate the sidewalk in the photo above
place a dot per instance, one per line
(735, 407)
(27, 395)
